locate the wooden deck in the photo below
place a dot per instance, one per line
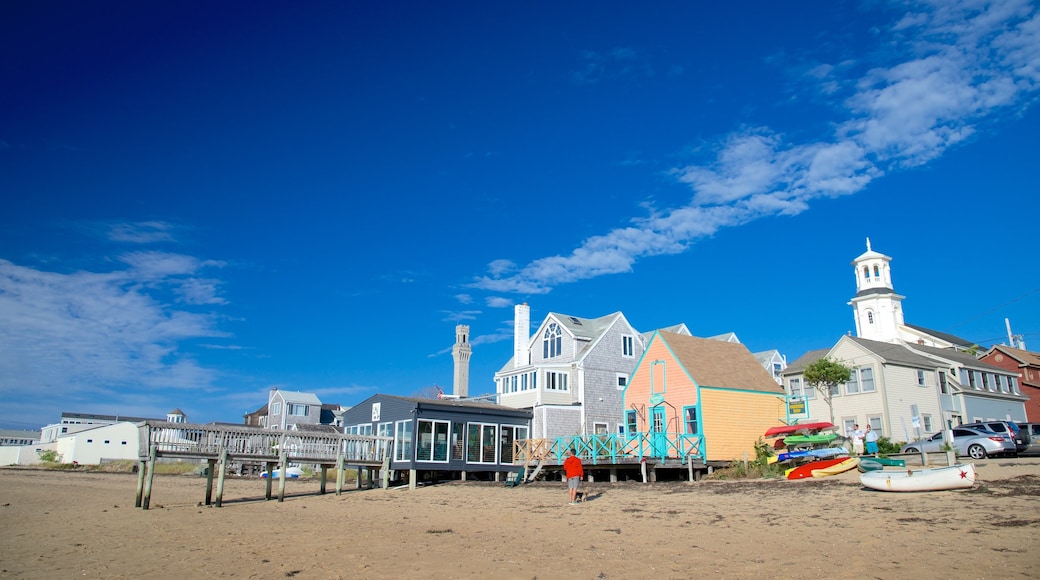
(221, 445)
(645, 453)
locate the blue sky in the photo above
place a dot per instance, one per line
(202, 201)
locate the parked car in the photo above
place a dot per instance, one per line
(1031, 435)
(975, 443)
(1006, 428)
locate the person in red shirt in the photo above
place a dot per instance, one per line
(573, 471)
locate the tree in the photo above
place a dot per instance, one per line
(825, 375)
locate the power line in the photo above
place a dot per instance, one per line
(992, 310)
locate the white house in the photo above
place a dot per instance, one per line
(907, 381)
(571, 372)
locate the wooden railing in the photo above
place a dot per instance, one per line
(614, 448)
(256, 444)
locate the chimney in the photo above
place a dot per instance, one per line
(521, 335)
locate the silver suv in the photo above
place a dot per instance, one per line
(1005, 428)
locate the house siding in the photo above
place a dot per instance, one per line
(733, 421)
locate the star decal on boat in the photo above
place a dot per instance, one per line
(964, 474)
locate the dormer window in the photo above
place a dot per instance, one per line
(552, 341)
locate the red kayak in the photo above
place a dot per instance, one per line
(805, 470)
(803, 428)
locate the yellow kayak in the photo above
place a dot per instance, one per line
(842, 467)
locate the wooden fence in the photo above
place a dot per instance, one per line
(612, 449)
(220, 445)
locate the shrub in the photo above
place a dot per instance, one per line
(757, 468)
(49, 456)
(887, 447)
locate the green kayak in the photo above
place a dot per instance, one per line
(878, 463)
(810, 439)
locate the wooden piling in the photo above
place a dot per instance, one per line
(222, 467)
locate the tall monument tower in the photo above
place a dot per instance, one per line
(876, 306)
(461, 352)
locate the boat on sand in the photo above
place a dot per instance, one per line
(849, 463)
(936, 479)
(805, 470)
(878, 463)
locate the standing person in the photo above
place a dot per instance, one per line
(871, 437)
(573, 471)
(857, 439)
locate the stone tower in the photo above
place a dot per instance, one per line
(876, 306)
(461, 352)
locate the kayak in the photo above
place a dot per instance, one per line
(800, 453)
(936, 479)
(805, 428)
(842, 467)
(810, 439)
(878, 463)
(805, 470)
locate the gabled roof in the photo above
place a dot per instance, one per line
(952, 339)
(316, 428)
(726, 337)
(715, 363)
(584, 328)
(680, 328)
(1023, 357)
(894, 354)
(805, 360)
(959, 357)
(299, 397)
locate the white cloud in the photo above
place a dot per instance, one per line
(498, 302)
(141, 232)
(69, 337)
(459, 315)
(464, 298)
(957, 64)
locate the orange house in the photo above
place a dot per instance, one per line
(685, 386)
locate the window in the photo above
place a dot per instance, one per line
(458, 438)
(926, 423)
(296, 410)
(555, 381)
(1013, 384)
(552, 341)
(985, 382)
(276, 408)
(835, 390)
(523, 382)
(797, 390)
(599, 428)
(403, 441)
(852, 386)
(512, 384)
(510, 434)
(1002, 384)
(432, 441)
(365, 429)
(870, 317)
(107, 441)
(627, 346)
(971, 379)
(875, 424)
(866, 379)
(631, 424)
(480, 443)
(690, 417)
(877, 273)
(920, 378)
(944, 387)
(622, 381)
(385, 430)
(90, 440)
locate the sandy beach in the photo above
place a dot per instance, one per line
(60, 524)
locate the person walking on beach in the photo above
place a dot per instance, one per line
(857, 439)
(870, 437)
(573, 471)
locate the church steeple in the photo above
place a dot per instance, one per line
(877, 308)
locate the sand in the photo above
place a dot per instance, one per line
(80, 524)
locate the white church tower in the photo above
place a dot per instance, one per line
(876, 306)
(461, 353)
